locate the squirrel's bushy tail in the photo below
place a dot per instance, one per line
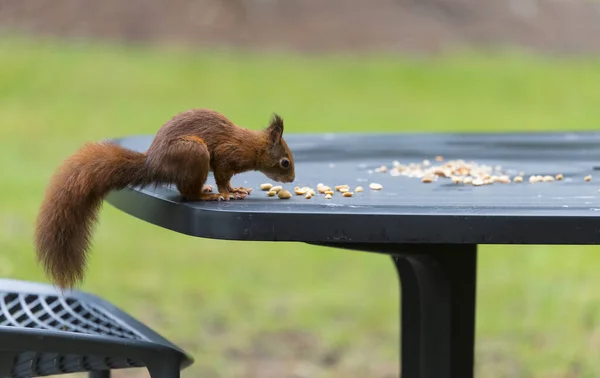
(73, 198)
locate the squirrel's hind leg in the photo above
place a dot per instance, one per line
(186, 163)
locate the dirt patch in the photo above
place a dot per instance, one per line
(286, 354)
(555, 26)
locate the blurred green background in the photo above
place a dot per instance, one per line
(290, 310)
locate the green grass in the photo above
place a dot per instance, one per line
(241, 308)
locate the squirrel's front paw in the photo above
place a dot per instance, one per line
(240, 190)
(214, 197)
(207, 189)
(239, 196)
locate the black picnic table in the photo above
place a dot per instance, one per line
(431, 230)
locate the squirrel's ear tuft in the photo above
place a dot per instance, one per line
(275, 129)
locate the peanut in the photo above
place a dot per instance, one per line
(301, 191)
(559, 176)
(276, 189)
(588, 178)
(375, 186)
(518, 179)
(284, 194)
(442, 173)
(358, 189)
(348, 194)
(328, 196)
(266, 186)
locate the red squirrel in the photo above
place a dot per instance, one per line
(185, 149)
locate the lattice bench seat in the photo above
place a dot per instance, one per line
(45, 333)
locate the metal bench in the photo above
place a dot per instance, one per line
(44, 332)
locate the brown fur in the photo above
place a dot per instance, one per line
(194, 138)
(184, 151)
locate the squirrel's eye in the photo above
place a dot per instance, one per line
(284, 163)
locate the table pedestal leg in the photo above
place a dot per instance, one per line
(438, 310)
(438, 291)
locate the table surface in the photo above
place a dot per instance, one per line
(405, 210)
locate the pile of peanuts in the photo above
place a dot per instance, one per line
(309, 192)
(462, 172)
(459, 171)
